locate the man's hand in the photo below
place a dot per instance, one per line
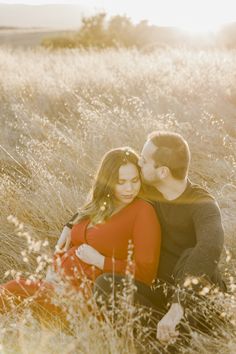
(90, 255)
(166, 328)
(63, 243)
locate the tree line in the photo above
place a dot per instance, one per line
(119, 31)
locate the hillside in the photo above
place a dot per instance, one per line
(28, 37)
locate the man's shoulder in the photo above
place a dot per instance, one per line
(197, 193)
(202, 201)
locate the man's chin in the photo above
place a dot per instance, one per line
(143, 178)
(145, 181)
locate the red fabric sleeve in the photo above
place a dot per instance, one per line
(114, 265)
(146, 241)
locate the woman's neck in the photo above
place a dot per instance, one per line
(118, 207)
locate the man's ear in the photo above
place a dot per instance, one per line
(163, 172)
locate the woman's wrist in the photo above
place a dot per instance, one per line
(100, 262)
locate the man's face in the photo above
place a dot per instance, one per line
(147, 164)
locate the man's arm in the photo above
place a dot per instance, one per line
(204, 257)
(63, 242)
(166, 327)
(201, 261)
(70, 222)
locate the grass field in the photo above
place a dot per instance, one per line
(59, 112)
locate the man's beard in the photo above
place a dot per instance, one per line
(149, 182)
(150, 191)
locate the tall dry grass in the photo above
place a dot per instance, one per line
(59, 112)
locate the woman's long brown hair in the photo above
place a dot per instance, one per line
(102, 200)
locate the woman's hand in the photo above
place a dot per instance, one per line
(52, 276)
(63, 243)
(90, 255)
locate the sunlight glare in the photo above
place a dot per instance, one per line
(199, 28)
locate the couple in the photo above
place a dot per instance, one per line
(95, 242)
(191, 230)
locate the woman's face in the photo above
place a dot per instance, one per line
(128, 185)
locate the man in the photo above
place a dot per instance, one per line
(192, 233)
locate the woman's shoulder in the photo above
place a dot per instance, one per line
(143, 204)
(144, 210)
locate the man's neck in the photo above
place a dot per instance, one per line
(172, 188)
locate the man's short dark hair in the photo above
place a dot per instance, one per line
(172, 151)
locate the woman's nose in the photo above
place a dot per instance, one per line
(129, 186)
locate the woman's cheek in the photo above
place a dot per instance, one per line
(118, 191)
(138, 187)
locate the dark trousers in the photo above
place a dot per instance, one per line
(153, 303)
(108, 284)
(201, 313)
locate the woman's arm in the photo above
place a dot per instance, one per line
(90, 255)
(146, 241)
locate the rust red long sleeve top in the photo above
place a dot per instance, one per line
(136, 222)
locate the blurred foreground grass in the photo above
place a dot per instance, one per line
(60, 111)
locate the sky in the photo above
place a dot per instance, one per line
(193, 15)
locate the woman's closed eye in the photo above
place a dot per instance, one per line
(134, 180)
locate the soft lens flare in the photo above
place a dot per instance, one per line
(200, 28)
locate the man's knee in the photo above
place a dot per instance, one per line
(103, 284)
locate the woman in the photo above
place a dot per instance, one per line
(102, 230)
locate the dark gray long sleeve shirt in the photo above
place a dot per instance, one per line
(192, 221)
